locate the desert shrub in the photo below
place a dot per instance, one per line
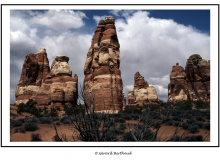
(185, 125)
(66, 121)
(120, 120)
(199, 118)
(33, 120)
(190, 121)
(54, 118)
(199, 138)
(186, 105)
(177, 124)
(13, 115)
(16, 123)
(200, 104)
(58, 108)
(127, 116)
(29, 107)
(194, 129)
(188, 116)
(58, 123)
(22, 129)
(199, 124)
(53, 113)
(167, 119)
(35, 137)
(169, 123)
(156, 125)
(140, 135)
(176, 118)
(30, 126)
(207, 126)
(135, 116)
(132, 109)
(78, 109)
(110, 136)
(45, 120)
(122, 126)
(192, 138)
(176, 138)
(152, 107)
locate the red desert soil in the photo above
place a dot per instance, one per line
(47, 131)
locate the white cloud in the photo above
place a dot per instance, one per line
(60, 20)
(98, 18)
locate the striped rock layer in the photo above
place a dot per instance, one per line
(103, 84)
(142, 93)
(190, 84)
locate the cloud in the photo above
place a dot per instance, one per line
(98, 18)
(60, 20)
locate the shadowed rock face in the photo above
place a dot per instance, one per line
(190, 84)
(34, 72)
(49, 88)
(103, 83)
(143, 93)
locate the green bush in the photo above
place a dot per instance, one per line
(186, 105)
(78, 109)
(29, 107)
(35, 137)
(31, 126)
(200, 104)
(132, 109)
(53, 113)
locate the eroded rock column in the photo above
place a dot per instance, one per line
(103, 83)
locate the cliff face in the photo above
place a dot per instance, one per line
(50, 88)
(103, 83)
(143, 93)
(190, 84)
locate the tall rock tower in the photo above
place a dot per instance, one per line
(103, 83)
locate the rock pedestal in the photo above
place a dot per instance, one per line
(103, 83)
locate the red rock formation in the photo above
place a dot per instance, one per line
(143, 93)
(34, 71)
(193, 83)
(49, 88)
(103, 83)
(60, 87)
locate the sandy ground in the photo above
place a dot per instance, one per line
(67, 131)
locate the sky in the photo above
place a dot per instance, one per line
(151, 41)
